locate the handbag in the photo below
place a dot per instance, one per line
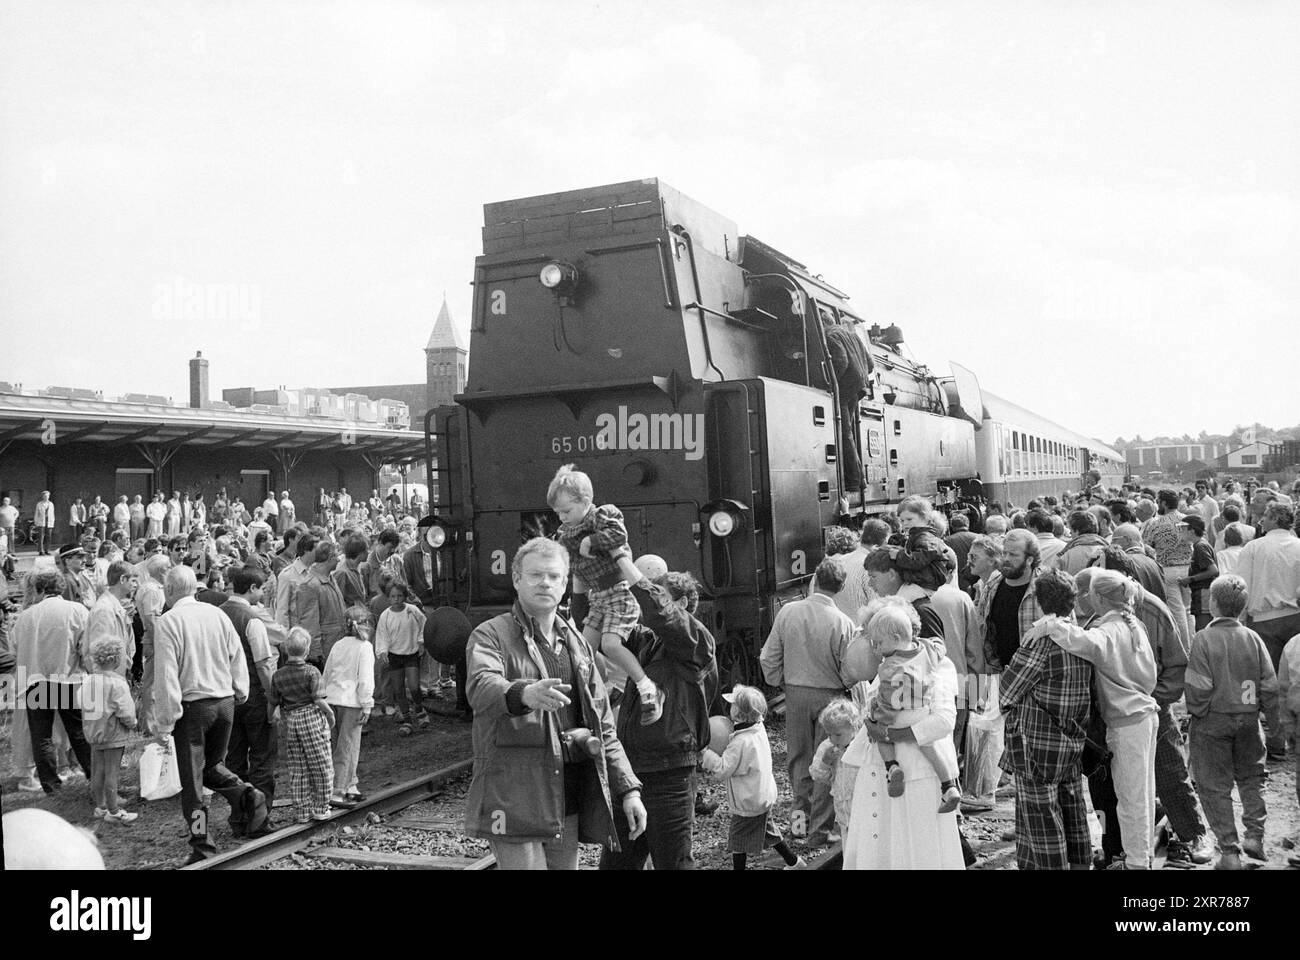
(159, 776)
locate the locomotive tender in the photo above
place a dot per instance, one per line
(638, 334)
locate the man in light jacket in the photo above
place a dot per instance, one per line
(44, 521)
(199, 676)
(804, 654)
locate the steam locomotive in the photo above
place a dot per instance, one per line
(685, 368)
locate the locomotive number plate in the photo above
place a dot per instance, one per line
(874, 443)
(575, 444)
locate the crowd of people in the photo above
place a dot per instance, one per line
(1142, 645)
(1072, 634)
(187, 510)
(229, 639)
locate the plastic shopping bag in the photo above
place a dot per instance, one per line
(159, 777)
(984, 742)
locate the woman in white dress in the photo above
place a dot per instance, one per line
(907, 832)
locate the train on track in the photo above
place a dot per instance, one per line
(685, 368)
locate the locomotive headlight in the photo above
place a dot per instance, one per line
(435, 536)
(558, 275)
(723, 517)
(722, 523)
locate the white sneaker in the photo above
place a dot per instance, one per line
(389, 711)
(30, 785)
(122, 816)
(100, 812)
(800, 864)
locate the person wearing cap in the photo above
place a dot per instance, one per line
(78, 585)
(1201, 571)
(677, 652)
(532, 679)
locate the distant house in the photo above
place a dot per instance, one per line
(1249, 457)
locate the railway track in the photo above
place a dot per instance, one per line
(297, 838)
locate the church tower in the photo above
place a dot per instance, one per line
(447, 357)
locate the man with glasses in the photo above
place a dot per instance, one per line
(539, 709)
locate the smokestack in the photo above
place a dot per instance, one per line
(199, 382)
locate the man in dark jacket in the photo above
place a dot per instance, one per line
(539, 707)
(677, 652)
(959, 539)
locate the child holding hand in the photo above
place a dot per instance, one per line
(596, 540)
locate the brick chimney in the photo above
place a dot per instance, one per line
(199, 382)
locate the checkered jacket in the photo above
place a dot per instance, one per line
(608, 534)
(1045, 695)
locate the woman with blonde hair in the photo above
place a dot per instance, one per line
(1125, 672)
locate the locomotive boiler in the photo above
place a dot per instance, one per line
(684, 367)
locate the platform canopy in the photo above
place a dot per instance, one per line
(59, 421)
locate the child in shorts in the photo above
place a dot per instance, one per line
(746, 765)
(596, 540)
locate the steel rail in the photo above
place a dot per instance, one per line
(290, 839)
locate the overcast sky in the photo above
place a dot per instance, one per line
(1093, 206)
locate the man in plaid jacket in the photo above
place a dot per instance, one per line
(1045, 695)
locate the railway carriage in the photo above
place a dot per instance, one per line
(1023, 455)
